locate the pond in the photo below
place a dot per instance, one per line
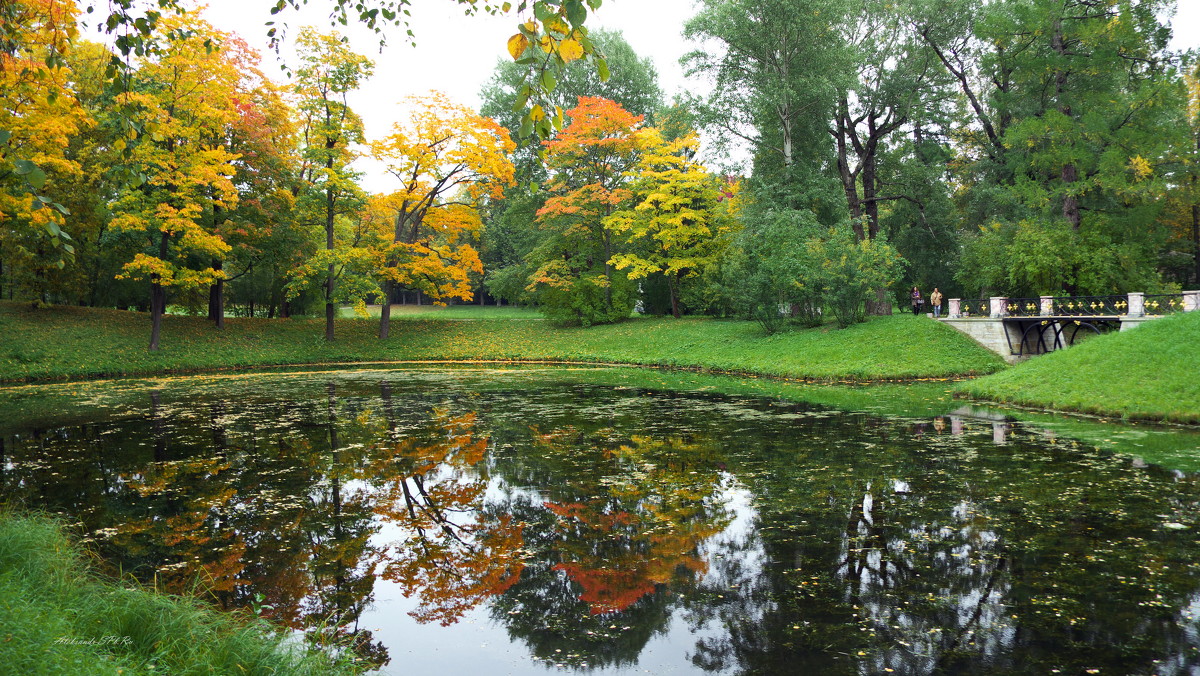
(614, 521)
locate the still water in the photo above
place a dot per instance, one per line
(529, 521)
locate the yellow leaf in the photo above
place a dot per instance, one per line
(547, 43)
(517, 45)
(570, 50)
(536, 114)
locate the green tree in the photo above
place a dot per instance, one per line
(329, 70)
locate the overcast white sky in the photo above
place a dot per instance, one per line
(456, 54)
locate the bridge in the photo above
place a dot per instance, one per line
(1018, 328)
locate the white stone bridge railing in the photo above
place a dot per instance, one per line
(1133, 305)
(1017, 328)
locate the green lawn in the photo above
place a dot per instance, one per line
(1150, 372)
(450, 312)
(71, 342)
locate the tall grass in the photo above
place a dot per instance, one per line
(58, 617)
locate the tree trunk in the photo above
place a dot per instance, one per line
(882, 305)
(673, 287)
(216, 298)
(385, 310)
(158, 297)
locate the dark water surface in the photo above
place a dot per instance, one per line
(526, 521)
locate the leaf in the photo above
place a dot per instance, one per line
(23, 167)
(36, 178)
(4, 136)
(576, 12)
(549, 82)
(602, 70)
(517, 45)
(537, 113)
(570, 50)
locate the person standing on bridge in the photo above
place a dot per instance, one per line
(916, 300)
(935, 299)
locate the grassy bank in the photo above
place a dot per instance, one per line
(1151, 372)
(69, 342)
(57, 617)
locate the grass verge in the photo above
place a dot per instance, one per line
(1151, 372)
(76, 343)
(57, 617)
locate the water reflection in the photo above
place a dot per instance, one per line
(595, 526)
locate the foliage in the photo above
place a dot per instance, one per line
(449, 161)
(682, 216)
(852, 270)
(574, 279)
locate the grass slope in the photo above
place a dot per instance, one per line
(57, 617)
(1151, 372)
(71, 342)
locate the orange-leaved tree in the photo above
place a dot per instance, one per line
(448, 160)
(589, 163)
(681, 220)
(183, 99)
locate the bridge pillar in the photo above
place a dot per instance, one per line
(997, 306)
(1047, 306)
(955, 308)
(1137, 304)
(1191, 301)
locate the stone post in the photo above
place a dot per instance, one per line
(997, 306)
(1191, 301)
(1137, 304)
(955, 308)
(1047, 306)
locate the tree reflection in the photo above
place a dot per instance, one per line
(617, 536)
(453, 554)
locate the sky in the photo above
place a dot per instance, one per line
(457, 54)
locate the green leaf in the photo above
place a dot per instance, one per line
(602, 70)
(549, 82)
(576, 13)
(36, 178)
(5, 135)
(23, 167)
(526, 126)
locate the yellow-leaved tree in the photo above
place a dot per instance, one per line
(449, 161)
(681, 219)
(38, 116)
(183, 99)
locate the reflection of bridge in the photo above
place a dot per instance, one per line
(1017, 328)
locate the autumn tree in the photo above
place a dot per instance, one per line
(329, 70)
(38, 118)
(184, 102)
(574, 278)
(448, 159)
(679, 224)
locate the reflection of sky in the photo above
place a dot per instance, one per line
(476, 644)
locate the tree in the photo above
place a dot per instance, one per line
(37, 120)
(510, 233)
(678, 225)
(1081, 107)
(184, 98)
(590, 158)
(448, 160)
(328, 71)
